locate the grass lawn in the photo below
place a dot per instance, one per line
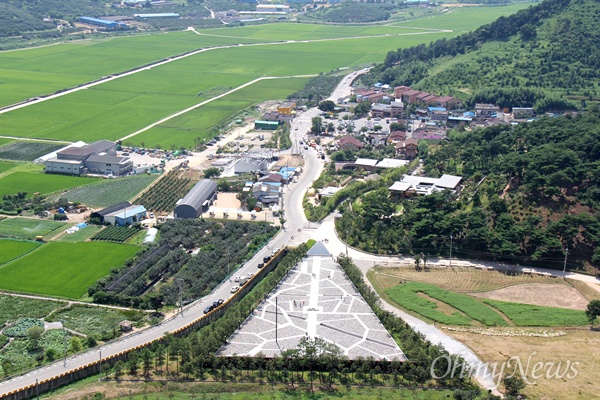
(28, 228)
(49, 270)
(407, 295)
(32, 182)
(533, 315)
(11, 249)
(13, 308)
(110, 191)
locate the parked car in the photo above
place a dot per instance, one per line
(250, 275)
(266, 259)
(208, 309)
(260, 265)
(235, 289)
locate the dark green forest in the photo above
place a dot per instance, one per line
(547, 56)
(530, 191)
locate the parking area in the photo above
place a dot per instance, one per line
(315, 299)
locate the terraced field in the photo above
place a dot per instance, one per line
(460, 279)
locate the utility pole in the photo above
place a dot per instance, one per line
(565, 264)
(179, 284)
(450, 250)
(100, 365)
(62, 321)
(346, 243)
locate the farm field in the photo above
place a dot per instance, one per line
(533, 315)
(12, 249)
(162, 196)
(438, 296)
(575, 346)
(465, 19)
(27, 151)
(44, 70)
(5, 166)
(98, 322)
(110, 191)
(459, 279)
(121, 107)
(408, 296)
(13, 307)
(32, 182)
(200, 123)
(47, 271)
(28, 228)
(115, 234)
(4, 141)
(80, 236)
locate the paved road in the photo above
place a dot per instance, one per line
(292, 201)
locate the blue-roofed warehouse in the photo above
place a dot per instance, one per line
(100, 22)
(197, 200)
(126, 216)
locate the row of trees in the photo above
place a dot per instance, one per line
(161, 269)
(313, 360)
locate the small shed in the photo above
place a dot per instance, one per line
(126, 325)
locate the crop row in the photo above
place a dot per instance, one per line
(115, 233)
(163, 195)
(27, 151)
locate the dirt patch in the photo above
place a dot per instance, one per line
(228, 200)
(289, 161)
(576, 346)
(540, 294)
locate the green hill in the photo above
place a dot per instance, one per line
(547, 55)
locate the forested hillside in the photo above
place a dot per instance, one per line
(547, 55)
(530, 192)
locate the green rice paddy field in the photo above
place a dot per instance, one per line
(44, 70)
(32, 182)
(121, 107)
(5, 166)
(48, 271)
(11, 249)
(28, 228)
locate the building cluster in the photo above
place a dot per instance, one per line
(95, 158)
(285, 112)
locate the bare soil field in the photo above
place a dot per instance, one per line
(577, 346)
(461, 279)
(540, 294)
(228, 200)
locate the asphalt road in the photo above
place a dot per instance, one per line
(292, 202)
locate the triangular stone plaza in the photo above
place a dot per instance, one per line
(316, 299)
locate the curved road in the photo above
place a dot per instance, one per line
(297, 230)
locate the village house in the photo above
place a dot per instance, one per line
(350, 143)
(407, 149)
